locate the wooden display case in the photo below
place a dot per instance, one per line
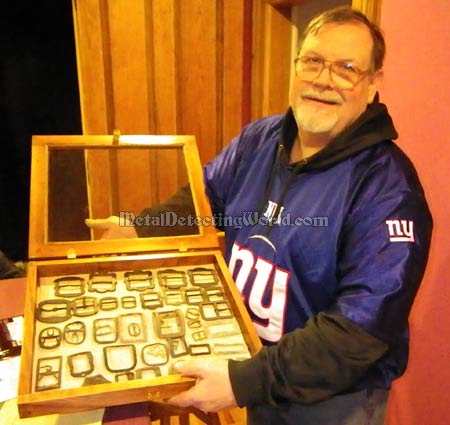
(105, 320)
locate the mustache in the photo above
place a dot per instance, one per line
(322, 96)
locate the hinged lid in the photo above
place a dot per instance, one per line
(78, 177)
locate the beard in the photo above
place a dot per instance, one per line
(315, 118)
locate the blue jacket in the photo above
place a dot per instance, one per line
(328, 254)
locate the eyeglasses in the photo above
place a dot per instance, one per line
(343, 74)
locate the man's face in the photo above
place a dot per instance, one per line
(319, 106)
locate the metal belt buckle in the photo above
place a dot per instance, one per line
(199, 335)
(169, 324)
(155, 354)
(84, 306)
(178, 347)
(203, 277)
(132, 328)
(54, 311)
(69, 286)
(172, 279)
(216, 310)
(199, 349)
(222, 329)
(48, 373)
(119, 358)
(74, 333)
(229, 349)
(108, 303)
(214, 294)
(173, 297)
(194, 296)
(148, 372)
(139, 280)
(81, 364)
(128, 301)
(105, 330)
(124, 376)
(50, 338)
(102, 282)
(192, 316)
(151, 300)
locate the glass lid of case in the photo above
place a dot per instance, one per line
(153, 183)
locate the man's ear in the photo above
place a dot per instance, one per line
(374, 85)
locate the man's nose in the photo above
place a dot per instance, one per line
(323, 78)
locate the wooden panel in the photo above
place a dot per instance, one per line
(163, 47)
(91, 67)
(371, 8)
(131, 86)
(94, 75)
(169, 164)
(284, 3)
(98, 170)
(197, 53)
(272, 57)
(233, 58)
(247, 62)
(258, 46)
(133, 170)
(163, 105)
(278, 64)
(126, 26)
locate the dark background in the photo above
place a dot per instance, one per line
(38, 95)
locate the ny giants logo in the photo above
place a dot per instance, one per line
(400, 230)
(268, 277)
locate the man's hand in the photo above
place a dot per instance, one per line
(212, 391)
(112, 227)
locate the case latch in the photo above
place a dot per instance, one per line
(116, 137)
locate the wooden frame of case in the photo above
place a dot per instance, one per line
(177, 251)
(40, 247)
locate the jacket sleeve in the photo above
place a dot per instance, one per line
(180, 204)
(307, 365)
(381, 259)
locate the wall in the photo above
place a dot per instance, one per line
(416, 88)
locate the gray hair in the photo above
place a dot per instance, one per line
(346, 14)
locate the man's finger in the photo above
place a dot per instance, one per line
(99, 223)
(193, 368)
(183, 399)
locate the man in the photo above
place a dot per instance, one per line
(330, 272)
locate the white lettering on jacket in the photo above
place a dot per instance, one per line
(400, 230)
(270, 212)
(268, 278)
